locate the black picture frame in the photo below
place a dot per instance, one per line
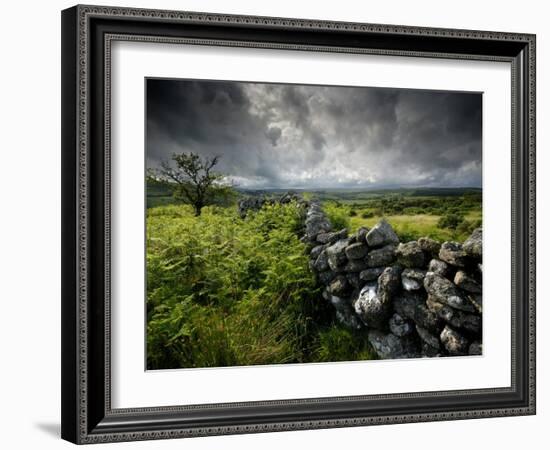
(87, 32)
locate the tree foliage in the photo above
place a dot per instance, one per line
(196, 181)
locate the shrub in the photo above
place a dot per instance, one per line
(338, 215)
(450, 220)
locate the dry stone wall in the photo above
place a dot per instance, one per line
(413, 299)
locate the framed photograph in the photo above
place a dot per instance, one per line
(279, 224)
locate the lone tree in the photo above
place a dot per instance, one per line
(194, 178)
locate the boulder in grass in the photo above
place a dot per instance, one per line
(444, 291)
(453, 253)
(410, 255)
(467, 283)
(430, 246)
(381, 234)
(357, 250)
(412, 279)
(454, 342)
(371, 274)
(473, 246)
(381, 256)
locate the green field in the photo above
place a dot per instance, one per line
(223, 291)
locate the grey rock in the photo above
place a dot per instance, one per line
(453, 341)
(390, 346)
(348, 318)
(373, 309)
(321, 263)
(412, 279)
(250, 204)
(427, 351)
(476, 348)
(477, 301)
(381, 234)
(410, 255)
(356, 251)
(467, 283)
(332, 237)
(400, 326)
(430, 246)
(427, 337)
(326, 277)
(336, 254)
(316, 251)
(389, 280)
(405, 304)
(371, 274)
(473, 246)
(362, 234)
(355, 265)
(453, 253)
(454, 317)
(354, 280)
(381, 256)
(339, 286)
(439, 267)
(444, 291)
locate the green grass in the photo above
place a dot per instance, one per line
(222, 291)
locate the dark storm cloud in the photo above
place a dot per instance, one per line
(271, 135)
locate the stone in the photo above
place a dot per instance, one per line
(250, 203)
(456, 318)
(473, 246)
(405, 304)
(326, 277)
(439, 267)
(356, 251)
(371, 274)
(348, 318)
(321, 263)
(316, 251)
(332, 237)
(355, 265)
(389, 280)
(381, 234)
(467, 283)
(390, 346)
(412, 279)
(430, 246)
(373, 309)
(316, 222)
(453, 253)
(354, 280)
(427, 351)
(336, 254)
(339, 286)
(362, 234)
(410, 255)
(454, 342)
(381, 256)
(427, 337)
(477, 301)
(400, 326)
(444, 291)
(476, 348)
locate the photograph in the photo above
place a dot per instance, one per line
(294, 223)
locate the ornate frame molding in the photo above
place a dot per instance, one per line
(80, 423)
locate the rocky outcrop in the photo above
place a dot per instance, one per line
(412, 299)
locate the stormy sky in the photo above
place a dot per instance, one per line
(303, 136)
